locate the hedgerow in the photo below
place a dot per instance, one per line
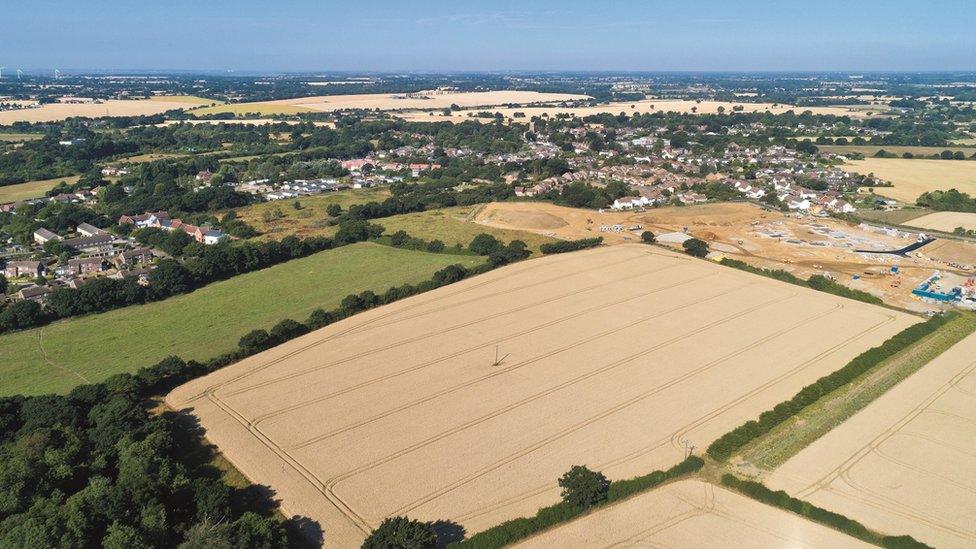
(514, 530)
(837, 521)
(727, 444)
(563, 246)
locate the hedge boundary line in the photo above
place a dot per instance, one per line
(518, 529)
(815, 282)
(564, 246)
(723, 448)
(851, 527)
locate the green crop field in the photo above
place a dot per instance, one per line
(31, 189)
(204, 323)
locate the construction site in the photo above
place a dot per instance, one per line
(802, 245)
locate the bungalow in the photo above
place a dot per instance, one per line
(204, 176)
(129, 258)
(86, 229)
(77, 267)
(34, 293)
(43, 236)
(15, 269)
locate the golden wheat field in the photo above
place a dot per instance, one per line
(635, 107)
(905, 463)
(466, 403)
(391, 102)
(53, 112)
(691, 513)
(945, 221)
(912, 177)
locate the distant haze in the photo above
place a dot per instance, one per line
(385, 35)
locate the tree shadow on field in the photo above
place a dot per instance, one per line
(304, 532)
(447, 532)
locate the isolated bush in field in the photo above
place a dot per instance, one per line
(584, 488)
(695, 247)
(435, 246)
(647, 237)
(334, 210)
(401, 533)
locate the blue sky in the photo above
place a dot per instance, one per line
(419, 35)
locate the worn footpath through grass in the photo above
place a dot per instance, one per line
(787, 439)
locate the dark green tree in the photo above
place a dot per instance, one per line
(584, 488)
(401, 533)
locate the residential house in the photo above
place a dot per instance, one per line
(142, 275)
(34, 293)
(147, 219)
(81, 266)
(130, 258)
(15, 269)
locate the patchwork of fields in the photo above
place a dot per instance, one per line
(905, 463)
(466, 403)
(53, 112)
(691, 513)
(206, 322)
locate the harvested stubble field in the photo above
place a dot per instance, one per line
(691, 513)
(53, 112)
(204, 323)
(905, 463)
(912, 177)
(945, 221)
(609, 357)
(391, 102)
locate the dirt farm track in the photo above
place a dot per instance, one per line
(610, 357)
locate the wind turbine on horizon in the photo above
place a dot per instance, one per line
(19, 73)
(1, 72)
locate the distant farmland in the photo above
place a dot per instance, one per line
(466, 403)
(204, 323)
(53, 112)
(912, 177)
